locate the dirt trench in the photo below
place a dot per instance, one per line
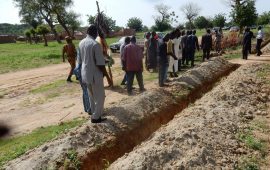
(204, 136)
(130, 122)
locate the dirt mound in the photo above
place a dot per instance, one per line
(129, 122)
(204, 136)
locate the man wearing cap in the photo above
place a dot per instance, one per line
(93, 70)
(70, 51)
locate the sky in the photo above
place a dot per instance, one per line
(122, 10)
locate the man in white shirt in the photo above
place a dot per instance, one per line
(260, 37)
(93, 70)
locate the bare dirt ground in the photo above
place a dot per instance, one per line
(208, 134)
(25, 111)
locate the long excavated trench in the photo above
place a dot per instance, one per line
(126, 141)
(130, 122)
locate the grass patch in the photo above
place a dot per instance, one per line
(232, 56)
(248, 163)
(14, 147)
(48, 87)
(72, 161)
(21, 56)
(251, 141)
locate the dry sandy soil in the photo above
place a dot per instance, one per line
(205, 135)
(25, 110)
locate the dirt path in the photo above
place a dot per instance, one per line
(25, 111)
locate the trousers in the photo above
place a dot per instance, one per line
(97, 97)
(206, 54)
(130, 79)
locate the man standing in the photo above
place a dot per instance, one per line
(192, 44)
(260, 37)
(122, 47)
(206, 44)
(184, 47)
(146, 48)
(218, 40)
(163, 61)
(133, 64)
(152, 52)
(246, 45)
(70, 51)
(93, 70)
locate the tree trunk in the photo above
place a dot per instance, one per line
(56, 35)
(50, 23)
(45, 40)
(63, 24)
(30, 40)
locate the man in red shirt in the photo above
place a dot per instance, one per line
(133, 64)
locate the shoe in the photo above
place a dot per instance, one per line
(89, 112)
(69, 80)
(175, 75)
(142, 90)
(164, 85)
(98, 120)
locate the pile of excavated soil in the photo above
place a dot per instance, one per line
(130, 122)
(204, 136)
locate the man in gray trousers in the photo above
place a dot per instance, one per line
(93, 69)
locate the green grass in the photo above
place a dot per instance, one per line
(48, 87)
(21, 56)
(251, 141)
(14, 147)
(248, 163)
(232, 56)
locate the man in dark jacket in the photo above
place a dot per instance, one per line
(246, 45)
(206, 44)
(183, 44)
(192, 44)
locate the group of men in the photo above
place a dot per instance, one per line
(165, 55)
(175, 50)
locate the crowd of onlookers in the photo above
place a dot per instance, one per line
(166, 55)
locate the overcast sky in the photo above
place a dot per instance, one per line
(122, 10)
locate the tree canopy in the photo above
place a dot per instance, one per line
(201, 22)
(264, 18)
(191, 11)
(244, 13)
(219, 20)
(164, 18)
(108, 20)
(135, 23)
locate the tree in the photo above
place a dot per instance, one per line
(191, 11)
(219, 20)
(189, 25)
(244, 13)
(135, 23)
(111, 24)
(145, 28)
(201, 22)
(164, 19)
(264, 18)
(43, 30)
(72, 20)
(51, 11)
(27, 34)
